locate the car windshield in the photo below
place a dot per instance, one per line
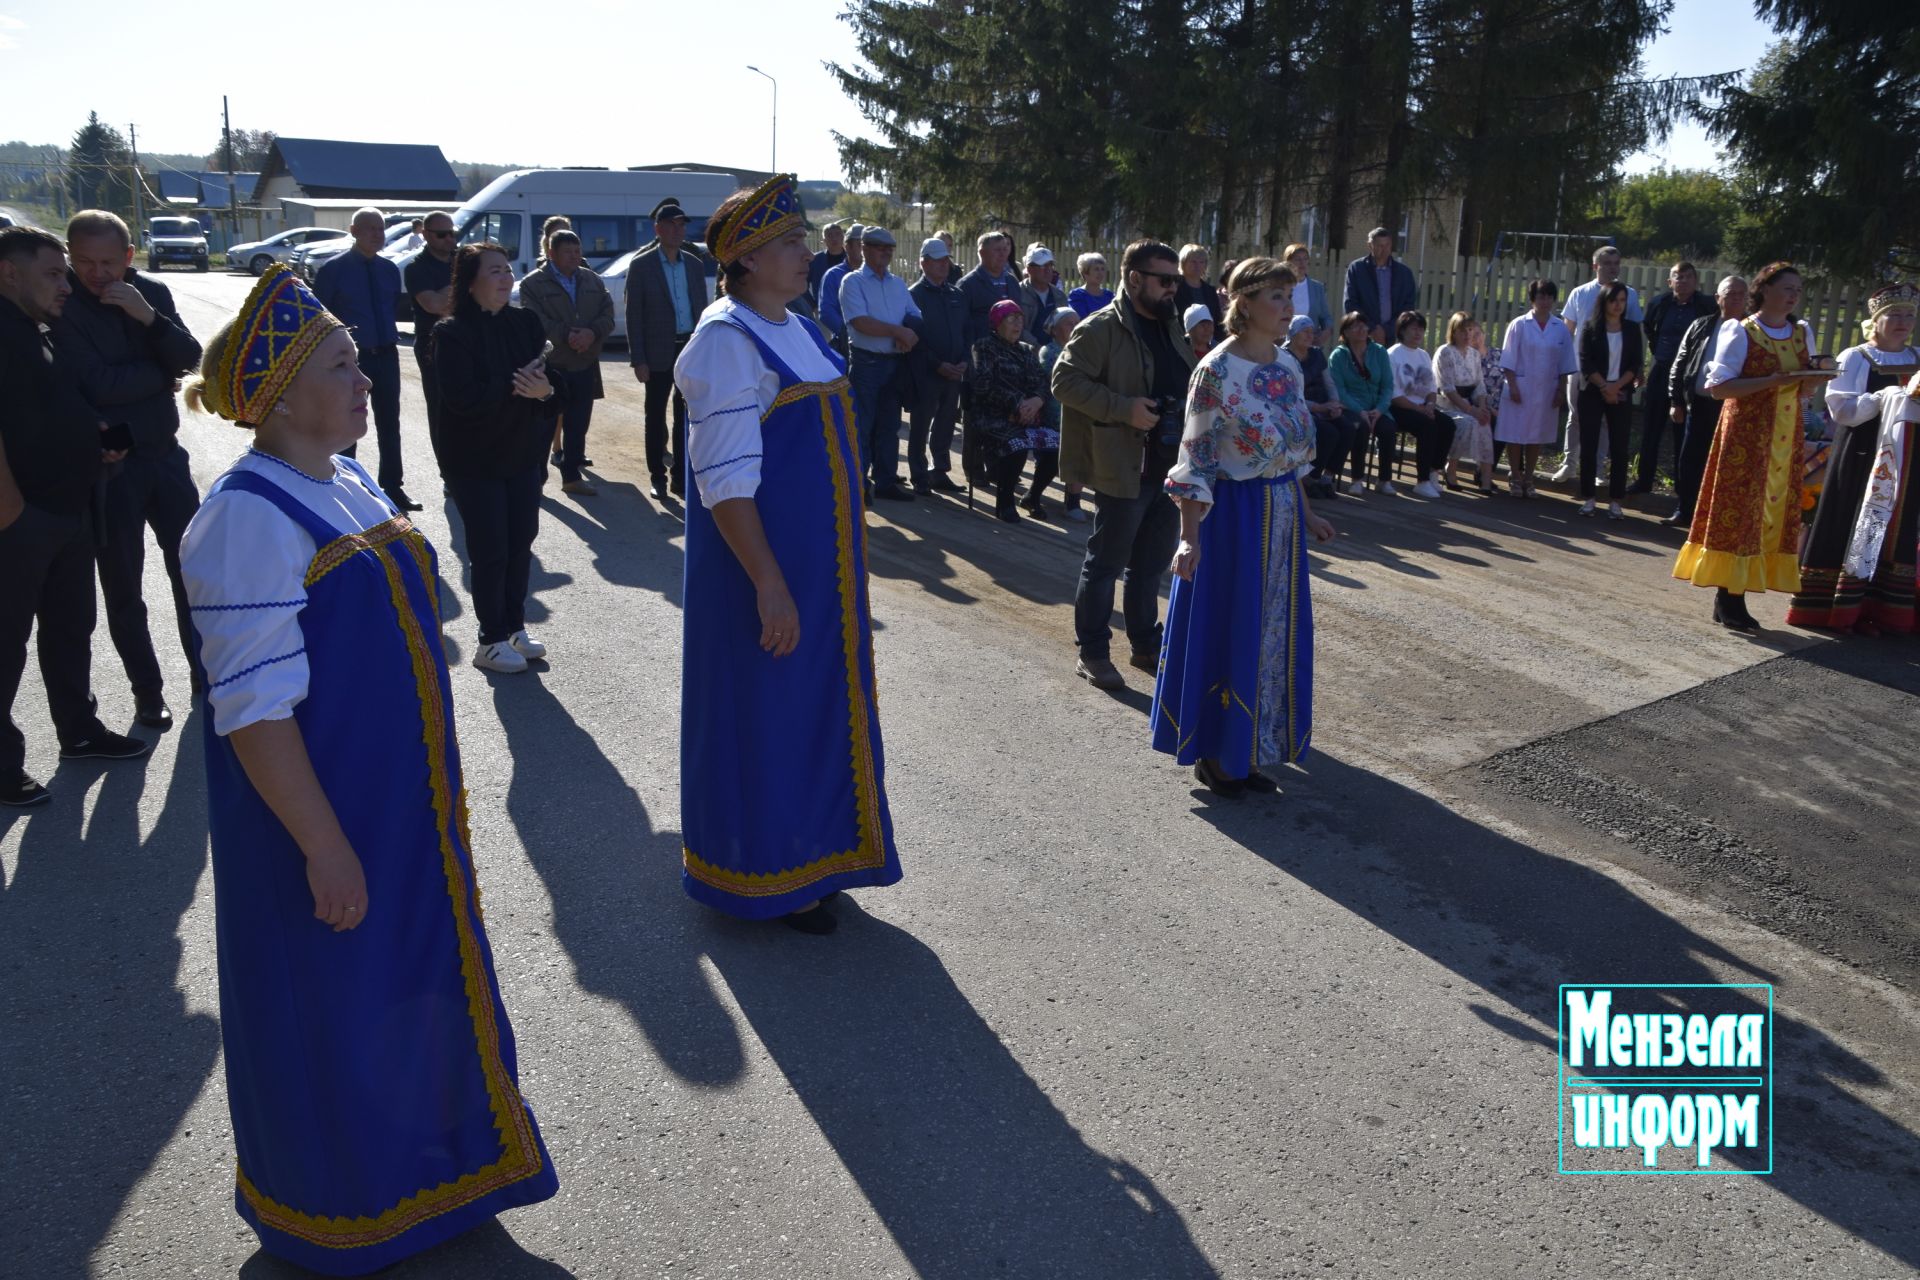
(174, 227)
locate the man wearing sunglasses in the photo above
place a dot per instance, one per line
(429, 282)
(1122, 388)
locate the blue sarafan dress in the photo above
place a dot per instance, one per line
(371, 1073)
(782, 778)
(1236, 666)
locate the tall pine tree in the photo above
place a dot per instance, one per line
(99, 168)
(1824, 139)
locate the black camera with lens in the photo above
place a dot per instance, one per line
(1170, 422)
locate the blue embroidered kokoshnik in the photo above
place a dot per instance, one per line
(782, 781)
(371, 1074)
(1236, 665)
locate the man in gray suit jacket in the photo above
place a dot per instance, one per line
(666, 292)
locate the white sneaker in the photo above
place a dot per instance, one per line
(500, 656)
(1586, 508)
(1357, 489)
(1564, 474)
(526, 646)
(1614, 512)
(1427, 489)
(1386, 487)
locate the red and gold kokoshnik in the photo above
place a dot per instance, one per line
(770, 212)
(277, 329)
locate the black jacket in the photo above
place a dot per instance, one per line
(943, 333)
(485, 429)
(1593, 350)
(1686, 364)
(50, 432)
(1700, 304)
(127, 369)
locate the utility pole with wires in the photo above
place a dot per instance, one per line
(226, 137)
(133, 185)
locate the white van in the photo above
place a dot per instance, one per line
(611, 209)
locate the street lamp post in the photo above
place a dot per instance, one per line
(775, 165)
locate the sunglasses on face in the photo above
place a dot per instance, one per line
(1164, 277)
(442, 235)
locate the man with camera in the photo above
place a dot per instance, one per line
(1122, 388)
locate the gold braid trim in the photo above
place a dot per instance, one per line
(520, 1155)
(347, 546)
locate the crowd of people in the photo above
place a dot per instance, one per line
(1193, 427)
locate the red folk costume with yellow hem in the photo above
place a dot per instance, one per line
(1746, 524)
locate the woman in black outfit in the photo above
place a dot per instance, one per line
(497, 411)
(1611, 360)
(1009, 396)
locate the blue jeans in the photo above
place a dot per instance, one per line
(1131, 536)
(876, 415)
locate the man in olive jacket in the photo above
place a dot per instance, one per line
(1122, 388)
(577, 311)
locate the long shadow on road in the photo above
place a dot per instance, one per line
(969, 1164)
(971, 1167)
(100, 1059)
(1442, 884)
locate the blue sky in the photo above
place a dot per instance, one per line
(630, 84)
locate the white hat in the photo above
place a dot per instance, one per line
(1194, 315)
(1038, 253)
(935, 249)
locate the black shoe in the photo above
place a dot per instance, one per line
(106, 746)
(658, 488)
(818, 921)
(1679, 520)
(150, 709)
(892, 492)
(677, 487)
(1217, 782)
(1007, 514)
(586, 462)
(1260, 782)
(402, 501)
(1035, 508)
(1730, 611)
(943, 483)
(22, 792)
(1147, 662)
(557, 457)
(1640, 486)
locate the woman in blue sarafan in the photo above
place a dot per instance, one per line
(371, 1071)
(1235, 687)
(782, 783)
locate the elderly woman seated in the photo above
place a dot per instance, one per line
(1009, 397)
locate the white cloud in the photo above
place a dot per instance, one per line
(10, 23)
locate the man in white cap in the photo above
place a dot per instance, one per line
(830, 321)
(878, 311)
(936, 370)
(1040, 294)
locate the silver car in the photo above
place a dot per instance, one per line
(257, 255)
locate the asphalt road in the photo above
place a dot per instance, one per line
(1107, 1026)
